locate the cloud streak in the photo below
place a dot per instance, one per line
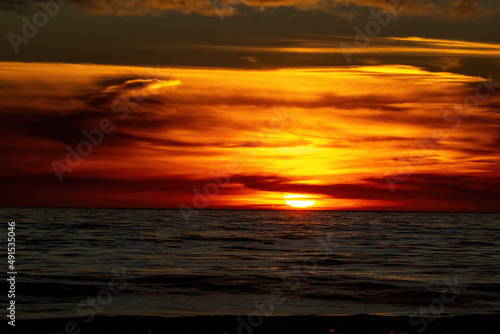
(451, 9)
(332, 133)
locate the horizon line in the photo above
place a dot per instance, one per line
(237, 209)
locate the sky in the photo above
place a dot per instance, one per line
(247, 104)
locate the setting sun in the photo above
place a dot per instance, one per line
(298, 203)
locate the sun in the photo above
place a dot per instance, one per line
(298, 203)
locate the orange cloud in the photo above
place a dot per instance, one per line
(451, 9)
(330, 133)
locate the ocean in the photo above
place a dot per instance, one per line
(122, 262)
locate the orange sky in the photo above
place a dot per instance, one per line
(335, 135)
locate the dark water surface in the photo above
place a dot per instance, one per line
(237, 262)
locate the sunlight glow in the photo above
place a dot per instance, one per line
(302, 203)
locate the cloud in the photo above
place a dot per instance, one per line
(250, 59)
(427, 192)
(452, 8)
(462, 191)
(328, 132)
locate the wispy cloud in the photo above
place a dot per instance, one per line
(452, 9)
(345, 128)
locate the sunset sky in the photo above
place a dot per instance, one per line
(252, 104)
